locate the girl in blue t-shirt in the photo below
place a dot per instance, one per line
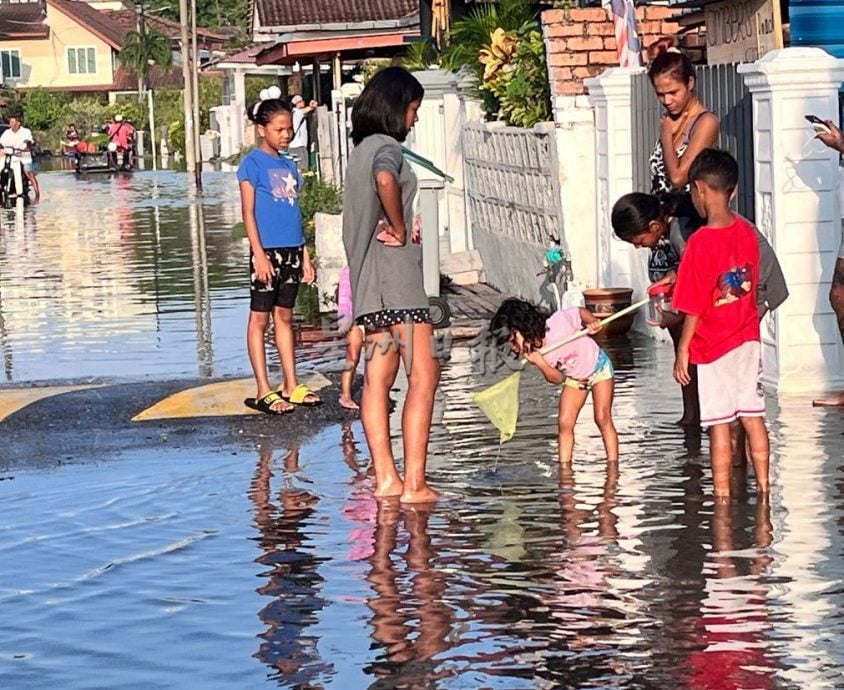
(278, 257)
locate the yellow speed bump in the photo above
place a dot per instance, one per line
(14, 399)
(222, 399)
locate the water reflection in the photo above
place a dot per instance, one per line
(728, 645)
(123, 277)
(410, 622)
(293, 581)
(621, 576)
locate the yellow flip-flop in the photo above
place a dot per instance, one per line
(266, 403)
(299, 396)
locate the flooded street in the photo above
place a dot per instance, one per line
(123, 277)
(254, 561)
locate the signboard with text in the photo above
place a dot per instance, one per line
(742, 30)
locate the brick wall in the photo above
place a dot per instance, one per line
(580, 43)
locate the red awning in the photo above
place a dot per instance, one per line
(295, 49)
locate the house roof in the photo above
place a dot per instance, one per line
(128, 19)
(156, 79)
(245, 56)
(22, 20)
(98, 23)
(299, 15)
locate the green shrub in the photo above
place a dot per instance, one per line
(518, 77)
(42, 109)
(472, 35)
(255, 84)
(176, 137)
(317, 196)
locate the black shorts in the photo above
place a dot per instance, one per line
(283, 288)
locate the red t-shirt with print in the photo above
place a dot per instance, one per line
(717, 281)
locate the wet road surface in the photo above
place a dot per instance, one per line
(245, 551)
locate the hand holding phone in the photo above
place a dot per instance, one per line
(819, 125)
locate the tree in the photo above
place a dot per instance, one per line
(213, 14)
(143, 50)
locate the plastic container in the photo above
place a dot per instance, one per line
(660, 296)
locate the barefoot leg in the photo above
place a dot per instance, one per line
(423, 374)
(757, 435)
(691, 402)
(354, 344)
(602, 396)
(382, 365)
(720, 451)
(571, 403)
(836, 299)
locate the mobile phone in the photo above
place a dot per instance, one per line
(819, 125)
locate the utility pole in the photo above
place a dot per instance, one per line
(195, 85)
(190, 141)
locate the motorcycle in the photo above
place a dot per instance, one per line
(119, 158)
(14, 184)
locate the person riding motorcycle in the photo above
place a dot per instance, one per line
(121, 136)
(20, 139)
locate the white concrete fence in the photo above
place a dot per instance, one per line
(797, 200)
(797, 203)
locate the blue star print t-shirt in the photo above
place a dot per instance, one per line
(276, 182)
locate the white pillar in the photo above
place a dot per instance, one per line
(454, 112)
(577, 151)
(611, 95)
(239, 90)
(797, 210)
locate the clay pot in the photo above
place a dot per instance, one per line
(604, 302)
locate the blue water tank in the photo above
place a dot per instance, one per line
(818, 23)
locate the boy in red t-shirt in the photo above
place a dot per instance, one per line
(716, 289)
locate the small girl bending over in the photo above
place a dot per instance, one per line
(581, 366)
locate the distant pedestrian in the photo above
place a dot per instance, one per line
(385, 271)
(299, 146)
(71, 140)
(279, 258)
(716, 289)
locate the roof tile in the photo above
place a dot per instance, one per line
(93, 20)
(292, 13)
(22, 20)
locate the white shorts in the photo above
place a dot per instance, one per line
(730, 387)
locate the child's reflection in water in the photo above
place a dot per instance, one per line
(293, 580)
(731, 649)
(410, 621)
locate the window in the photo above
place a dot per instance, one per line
(81, 60)
(11, 63)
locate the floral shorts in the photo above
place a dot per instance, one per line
(387, 318)
(283, 287)
(603, 372)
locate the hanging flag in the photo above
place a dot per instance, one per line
(628, 44)
(440, 22)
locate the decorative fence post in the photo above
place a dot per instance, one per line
(576, 150)
(797, 209)
(611, 95)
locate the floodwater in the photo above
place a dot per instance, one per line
(123, 276)
(248, 564)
